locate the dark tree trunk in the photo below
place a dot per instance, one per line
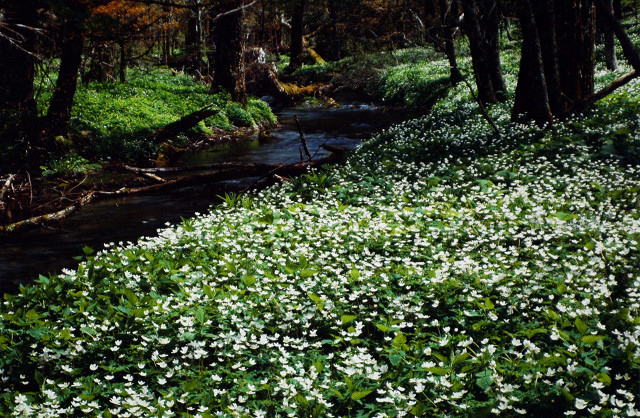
(228, 35)
(617, 9)
(490, 24)
(532, 100)
(544, 16)
(61, 102)
(441, 22)
(16, 59)
(609, 38)
(575, 36)
(479, 53)
(297, 33)
(193, 38)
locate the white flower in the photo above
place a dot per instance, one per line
(581, 404)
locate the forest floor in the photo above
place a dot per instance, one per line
(441, 271)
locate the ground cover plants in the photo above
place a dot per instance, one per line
(111, 120)
(439, 272)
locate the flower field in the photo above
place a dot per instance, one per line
(440, 272)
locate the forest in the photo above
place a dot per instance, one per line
(480, 257)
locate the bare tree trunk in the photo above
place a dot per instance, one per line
(532, 100)
(611, 60)
(480, 60)
(490, 23)
(544, 16)
(228, 35)
(575, 34)
(297, 32)
(61, 102)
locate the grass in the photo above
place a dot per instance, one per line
(437, 273)
(110, 121)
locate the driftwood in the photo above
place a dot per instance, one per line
(302, 138)
(41, 220)
(183, 124)
(228, 171)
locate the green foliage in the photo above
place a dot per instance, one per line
(110, 121)
(239, 116)
(440, 272)
(70, 164)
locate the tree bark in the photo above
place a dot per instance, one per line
(61, 102)
(484, 60)
(611, 60)
(228, 35)
(544, 16)
(575, 32)
(532, 100)
(297, 32)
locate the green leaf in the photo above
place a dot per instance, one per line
(400, 339)
(87, 250)
(190, 385)
(354, 274)
(209, 291)
(39, 377)
(315, 298)
(438, 371)
(604, 378)
(356, 396)
(488, 304)
(130, 295)
(580, 326)
(395, 358)
(348, 318)
(201, 315)
(484, 379)
(383, 327)
(459, 359)
(419, 410)
(305, 273)
(65, 334)
(591, 339)
(249, 280)
(32, 315)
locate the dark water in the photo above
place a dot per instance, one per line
(26, 255)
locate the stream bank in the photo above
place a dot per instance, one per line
(25, 255)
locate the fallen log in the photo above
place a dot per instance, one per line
(39, 221)
(183, 124)
(231, 171)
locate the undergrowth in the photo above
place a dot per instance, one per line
(440, 272)
(111, 120)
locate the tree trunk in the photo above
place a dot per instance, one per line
(575, 35)
(297, 32)
(479, 55)
(61, 102)
(490, 23)
(532, 100)
(228, 35)
(609, 38)
(193, 38)
(16, 59)
(544, 16)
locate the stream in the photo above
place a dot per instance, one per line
(24, 256)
